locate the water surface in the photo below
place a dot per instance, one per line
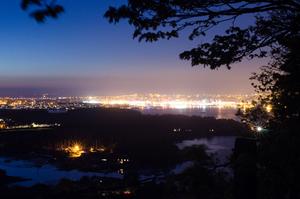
(46, 174)
(218, 113)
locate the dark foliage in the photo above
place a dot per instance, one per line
(279, 82)
(279, 148)
(43, 9)
(153, 20)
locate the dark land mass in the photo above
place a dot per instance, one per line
(147, 140)
(4, 179)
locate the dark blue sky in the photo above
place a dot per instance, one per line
(81, 53)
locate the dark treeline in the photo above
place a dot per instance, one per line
(118, 120)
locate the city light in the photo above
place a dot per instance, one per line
(269, 108)
(92, 102)
(127, 192)
(75, 151)
(140, 101)
(172, 101)
(2, 124)
(259, 128)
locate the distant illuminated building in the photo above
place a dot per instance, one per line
(2, 124)
(3, 101)
(75, 151)
(269, 108)
(35, 125)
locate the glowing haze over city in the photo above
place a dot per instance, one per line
(81, 54)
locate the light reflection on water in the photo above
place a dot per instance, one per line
(218, 113)
(214, 144)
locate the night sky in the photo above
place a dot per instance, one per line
(82, 54)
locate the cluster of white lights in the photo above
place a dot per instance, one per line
(175, 104)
